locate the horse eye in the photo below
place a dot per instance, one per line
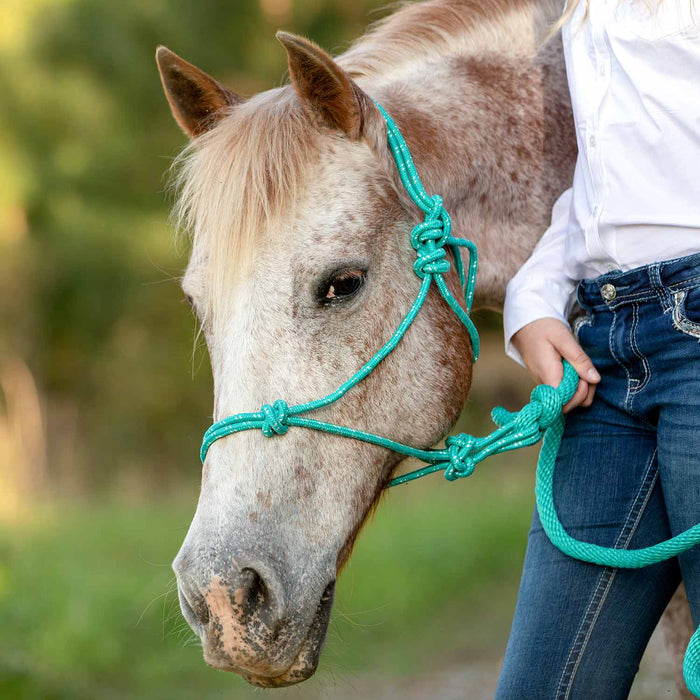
(189, 300)
(343, 284)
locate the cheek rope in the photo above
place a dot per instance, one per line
(541, 417)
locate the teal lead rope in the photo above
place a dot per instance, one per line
(606, 556)
(541, 417)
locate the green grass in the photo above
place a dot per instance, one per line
(87, 607)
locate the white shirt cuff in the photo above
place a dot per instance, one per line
(527, 305)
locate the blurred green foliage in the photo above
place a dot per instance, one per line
(88, 264)
(88, 610)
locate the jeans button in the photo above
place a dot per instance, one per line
(608, 292)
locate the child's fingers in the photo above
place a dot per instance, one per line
(543, 346)
(570, 350)
(589, 398)
(549, 369)
(583, 397)
(579, 397)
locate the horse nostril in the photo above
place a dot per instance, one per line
(250, 595)
(196, 610)
(255, 591)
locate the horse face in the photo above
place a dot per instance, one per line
(328, 281)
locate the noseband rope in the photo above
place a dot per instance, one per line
(541, 417)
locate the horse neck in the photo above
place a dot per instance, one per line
(490, 131)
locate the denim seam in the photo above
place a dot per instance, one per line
(628, 298)
(620, 301)
(635, 349)
(593, 299)
(629, 395)
(654, 273)
(683, 282)
(617, 359)
(590, 617)
(606, 579)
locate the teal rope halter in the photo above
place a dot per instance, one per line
(542, 416)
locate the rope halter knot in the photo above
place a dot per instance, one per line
(459, 448)
(275, 418)
(429, 238)
(549, 402)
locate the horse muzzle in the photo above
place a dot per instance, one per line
(253, 620)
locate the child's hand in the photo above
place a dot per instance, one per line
(542, 344)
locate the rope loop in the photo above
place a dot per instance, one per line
(461, 464)
(275, 418)
(432, 263)
(549, 402)
(428, 240)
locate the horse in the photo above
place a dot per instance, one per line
(301, 267)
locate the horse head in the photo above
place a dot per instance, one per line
(301, 268)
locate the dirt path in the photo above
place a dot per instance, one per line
(477, 682)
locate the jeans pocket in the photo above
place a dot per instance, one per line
(684, 312)
(580, 322)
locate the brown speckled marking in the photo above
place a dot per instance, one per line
(264, 499)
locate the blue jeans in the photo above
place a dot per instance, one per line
(627, 475)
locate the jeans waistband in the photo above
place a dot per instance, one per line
(657, 279)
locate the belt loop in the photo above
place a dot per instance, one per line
(658, 286)
(579, 293)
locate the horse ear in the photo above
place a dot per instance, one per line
(197, 101)
(325, 86)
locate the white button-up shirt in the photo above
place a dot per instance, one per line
(634, 78)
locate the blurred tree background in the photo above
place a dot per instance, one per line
(94, 334)
(103, 397)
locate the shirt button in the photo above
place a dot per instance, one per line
(608, 292)
(592, 142)
(596, 210)
(602, 70)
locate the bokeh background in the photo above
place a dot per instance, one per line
(104, 394)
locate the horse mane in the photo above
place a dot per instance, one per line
(234, 180)
(428, 28)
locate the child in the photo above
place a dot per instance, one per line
(621, 257)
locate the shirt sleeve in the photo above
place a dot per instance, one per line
(541, 288)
